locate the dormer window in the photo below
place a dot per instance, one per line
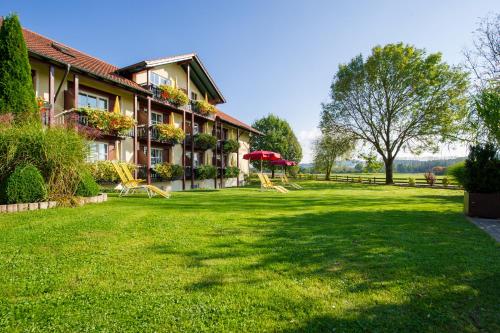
(158, 80)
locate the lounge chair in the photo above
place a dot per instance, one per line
(128, 185)
(267, 184)
(152, 189)
(285, 181)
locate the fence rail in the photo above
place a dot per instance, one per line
(374, 180)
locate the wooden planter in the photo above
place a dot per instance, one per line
(485, 205)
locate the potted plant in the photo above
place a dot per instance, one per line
(170, 133)
(205, 171)
(107, 122)
(481, 181)
(174, 95)
(231, 146)
(169, 171)
(205, 108)
(205, 141)
(232, 172)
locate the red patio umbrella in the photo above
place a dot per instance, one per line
(262, 155)
(284, 163)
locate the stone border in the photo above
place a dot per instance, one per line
(23, 207)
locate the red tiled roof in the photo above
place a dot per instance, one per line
(48, 48)
(227, 118)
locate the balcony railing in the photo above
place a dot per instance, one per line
(157, 94)
(142, 133)
(72, 118)
(196, 109)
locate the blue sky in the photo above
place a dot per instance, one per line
(266, 56)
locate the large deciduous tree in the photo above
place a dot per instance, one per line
(16, 88)
(331, 146)
(399, 98)
(277, 136)
(483, 61)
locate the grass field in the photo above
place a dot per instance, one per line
(333, 257)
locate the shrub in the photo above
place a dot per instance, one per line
(205, 141)
(232, 172)
(411, 181)
(205, 171)
(293, 171)
(174, 95)
(205, 107)
(87, 187)
(430, 178)
(58, 153)
(25, 185)
(457, 171)
(169, 171)
(171, 133)
(108, 122)
(446, 181)
(104, 172)
(231, 146)
(482, 170)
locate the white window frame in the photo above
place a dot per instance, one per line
(157, 80)
(194, 96)
(196, 159)
(93, 157)
(156, 159)
(157, 114)
(97, 97)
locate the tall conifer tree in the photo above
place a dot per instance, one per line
(16, 88)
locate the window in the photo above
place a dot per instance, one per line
(156, 118)
(196, 128)
(86, 100)
(194, 96)
(196, 159)
(158, 80)
(98, 151)
(156, 156)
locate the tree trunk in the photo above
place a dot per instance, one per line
(388, 172)
(328, 172)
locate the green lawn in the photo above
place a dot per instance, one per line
(334, 257)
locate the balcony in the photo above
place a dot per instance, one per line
(142, 134)
(158, 95)
(80, 121)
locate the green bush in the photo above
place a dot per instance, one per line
(25, 185)
(58, 153)
(87, 187)
(411, 181)
(205, 171)
(482, 170)
(205, 141)
(169, 171)
(446, 181)
(293, 171)
(457, 171)
(231, 146)
(232, 172)
(104, 172)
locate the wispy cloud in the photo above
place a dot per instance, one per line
(306, 138)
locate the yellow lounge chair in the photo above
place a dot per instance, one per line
(152, 189)
(128, 185)
(285, 181)
(267, 184)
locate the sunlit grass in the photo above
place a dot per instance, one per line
(348, 257)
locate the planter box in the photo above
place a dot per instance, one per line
(485, 205)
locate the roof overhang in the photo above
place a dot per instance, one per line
(198, 73)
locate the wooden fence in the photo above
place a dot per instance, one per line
(375, 180)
